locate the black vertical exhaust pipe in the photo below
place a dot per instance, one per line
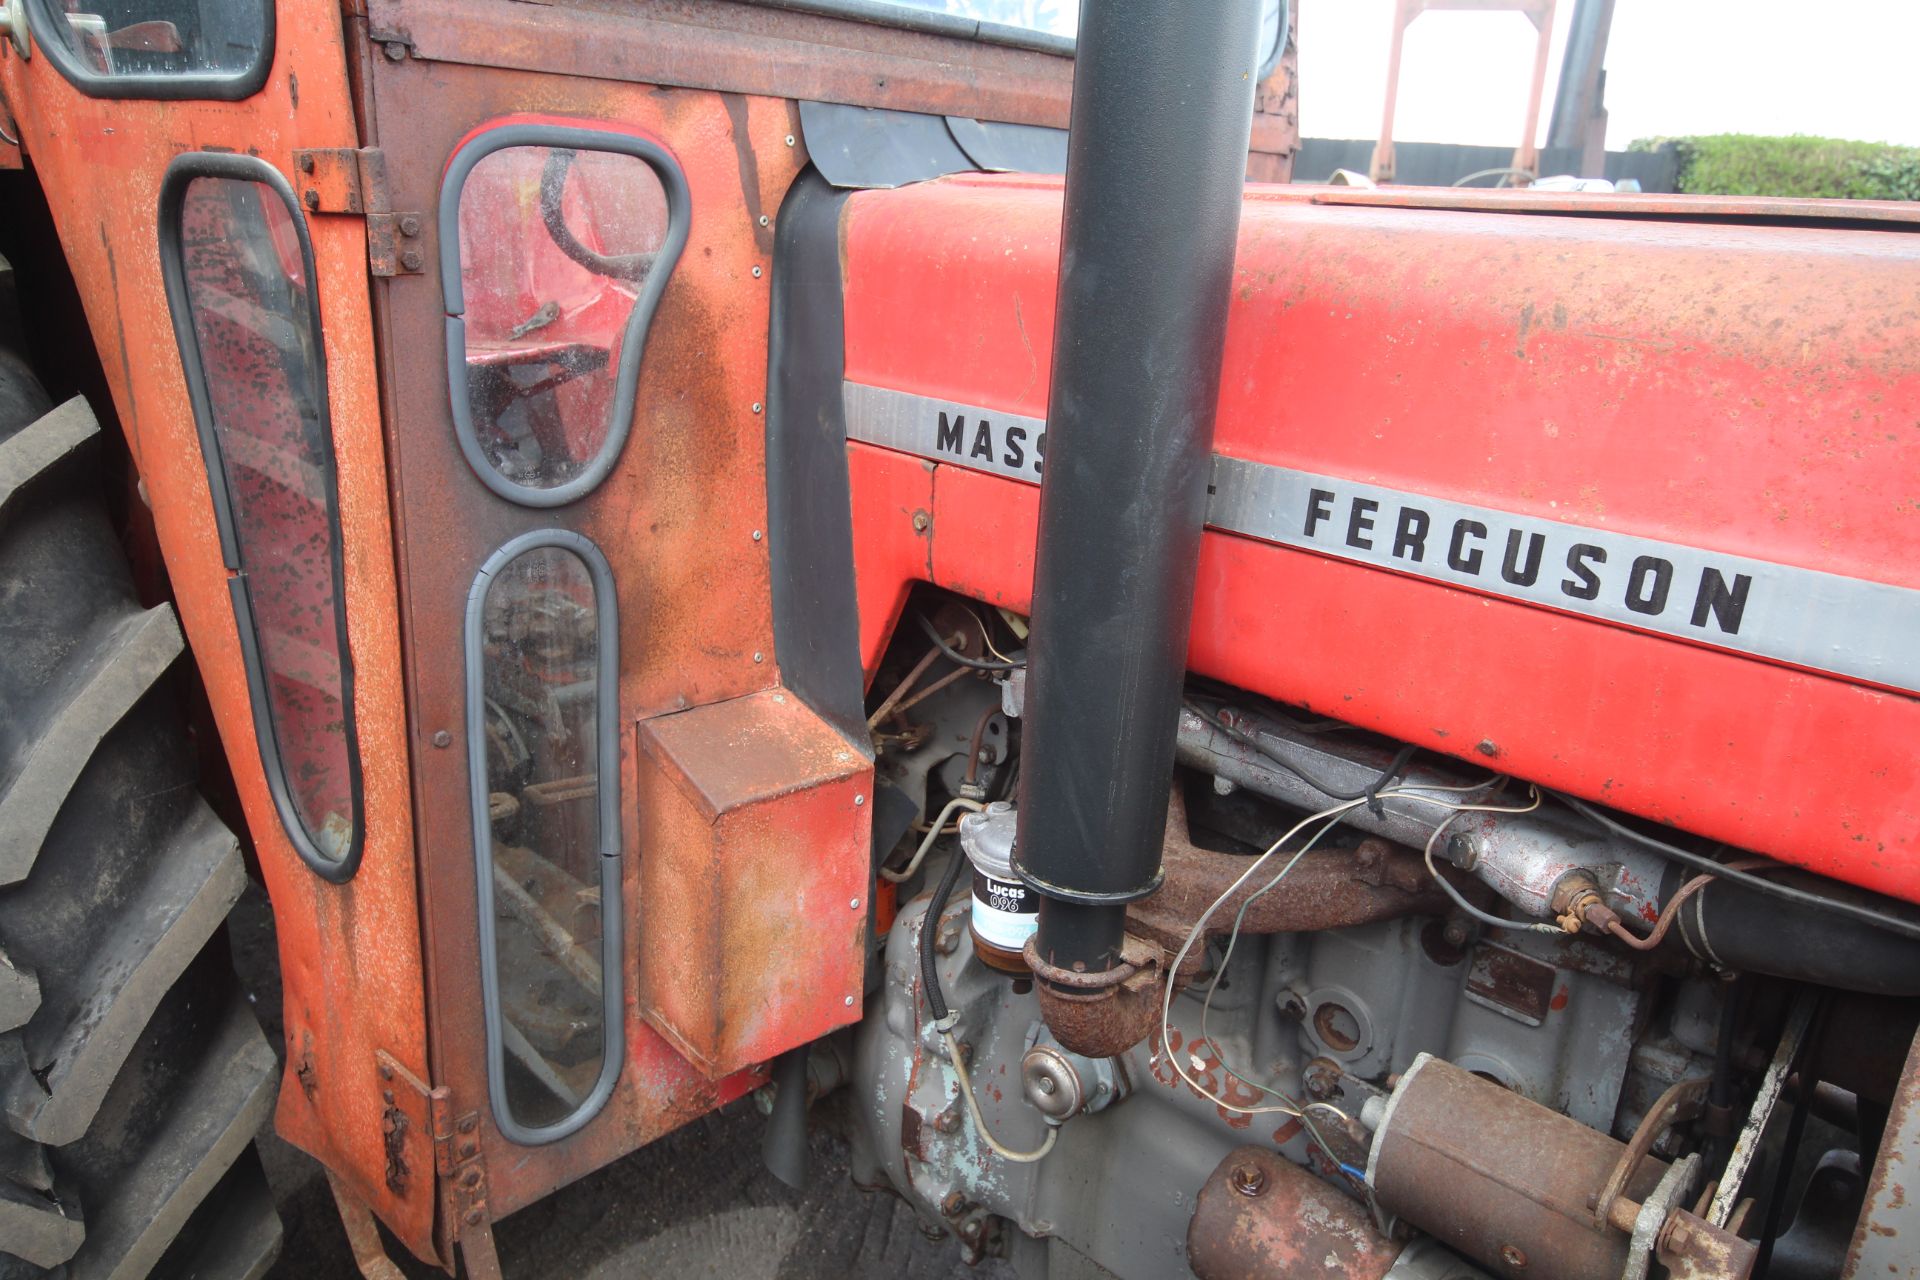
(1156, 162)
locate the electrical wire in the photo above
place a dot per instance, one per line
(944, 1018)
(1459, 900)
(1700, 862)
(1240, 735)
(953, 654)
(979, 1121)
(986, 637)
(934, 832)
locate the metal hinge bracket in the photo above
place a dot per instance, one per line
(353, 181)
(460, 1168)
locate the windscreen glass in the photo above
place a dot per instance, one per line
(157, 38)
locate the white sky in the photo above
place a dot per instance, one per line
(1839, 68)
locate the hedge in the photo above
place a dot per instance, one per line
(1742, 164)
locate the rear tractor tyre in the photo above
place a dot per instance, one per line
(133, 1076)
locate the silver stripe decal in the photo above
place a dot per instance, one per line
(1847, 626)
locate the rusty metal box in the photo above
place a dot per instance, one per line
(753, 875)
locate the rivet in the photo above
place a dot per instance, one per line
(756, 273)
(921, 521)
(765, 220)
(757, 535)
(849, 1002)
(789, 139)
(306, 163)
(855, 904)
(759, 657)
(859, 800)
(312, 198)
(473, 1217)
(441, 738)
(756, 406)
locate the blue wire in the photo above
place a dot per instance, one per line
(1358, 1175)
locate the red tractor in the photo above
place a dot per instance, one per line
(1420, 684)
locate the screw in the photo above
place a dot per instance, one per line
(859, 800)
(396, 52)
(921, 521)
(312, 199)
(757, 535)
(756, 406)
(1248, 1179)
(1046, 1085)
(789, 139)
(849, 1002)
(1455, 933)
(759, 657)
(412, 260)
(1513, 1256)
(410, 225)
(441, 738)
(854, 904)
(756, 273)
(765, 220)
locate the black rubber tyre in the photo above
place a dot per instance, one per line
(133, 1076)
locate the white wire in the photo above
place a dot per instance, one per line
(979, 1122)
(1334, 814)
(934, 832)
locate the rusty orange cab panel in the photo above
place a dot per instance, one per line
(350, 953)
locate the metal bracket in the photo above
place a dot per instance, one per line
(459, 1168)
(353, 181)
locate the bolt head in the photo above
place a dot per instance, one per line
(473, 1215)
(412, 260)
(396, 52)
(921, 521)
(1513, 1256)
(1248, 1179)
(441, 738)
(410, 225)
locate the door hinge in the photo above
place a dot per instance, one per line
(459, 1167)
(353, 181)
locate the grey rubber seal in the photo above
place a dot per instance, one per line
(607, 778)
(627, 378)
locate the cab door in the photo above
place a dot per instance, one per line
(576, 393)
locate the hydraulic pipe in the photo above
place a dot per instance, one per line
(1156, 160)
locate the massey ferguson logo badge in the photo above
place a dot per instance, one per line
(1804, 616)
(1015, 445)
(1528, 559)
